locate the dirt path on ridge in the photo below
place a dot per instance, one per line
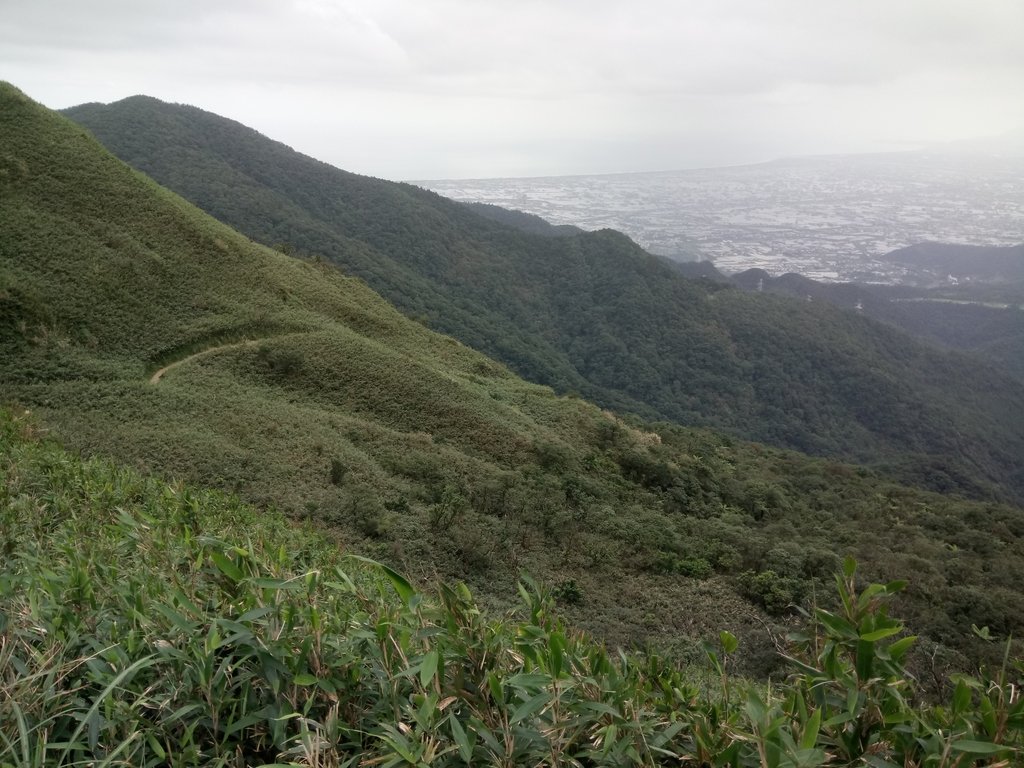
(155, 378)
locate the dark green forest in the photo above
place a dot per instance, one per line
(595, 315)
(945, 263)
(526, 222)
(983, 319)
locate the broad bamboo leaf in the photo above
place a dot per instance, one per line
(865, 659)
(899, 648)
(988, 714)
(528, 681)
(277, 584)
(176, 618)
(428, 667)
(842, 717)
(977, 747)
(530, 707)
(961, 697)
(810, 735)
(836, 624)
(484, 733)
(226, 566)
(243, 723)
(402, 586)
(557, 645)
(496, 692)
(668, 734)
(155, 745)
(728, 641)
(879, 634)
(869, 592)
(461, 739)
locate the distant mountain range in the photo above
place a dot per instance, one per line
(943, 263)
(974, 300)
(592, 313)
(1007, 144)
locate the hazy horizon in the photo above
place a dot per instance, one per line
(924, 150)
(456, 89)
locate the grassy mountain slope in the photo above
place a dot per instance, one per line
(594, 314)
(152, 624)
(302, 389)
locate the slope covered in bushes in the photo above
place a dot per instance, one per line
(302, 390)
(153, 624)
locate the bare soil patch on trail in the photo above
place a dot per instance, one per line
(159, 374)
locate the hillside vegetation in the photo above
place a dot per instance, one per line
(947, 263)
(152, 624)
(525, 222)
(982, 319)
(301, 389)
(594, 314)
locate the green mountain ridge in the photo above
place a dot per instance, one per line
(941, 263)
(594, 314)
(301, 389)
(525, 222)
(986, 320)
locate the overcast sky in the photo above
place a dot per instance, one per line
(420, 89)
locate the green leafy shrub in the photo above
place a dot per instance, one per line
(568, 592)
(776, 594)
(150, 624)
(338, 471)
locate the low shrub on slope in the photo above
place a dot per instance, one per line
(149, 624)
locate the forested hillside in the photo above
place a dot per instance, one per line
(593, 314)
(135, 326)
(949, 263)
(527, 222)
(985, 320)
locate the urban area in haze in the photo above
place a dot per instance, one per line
(828, 218)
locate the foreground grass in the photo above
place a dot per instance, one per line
(145, 623)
